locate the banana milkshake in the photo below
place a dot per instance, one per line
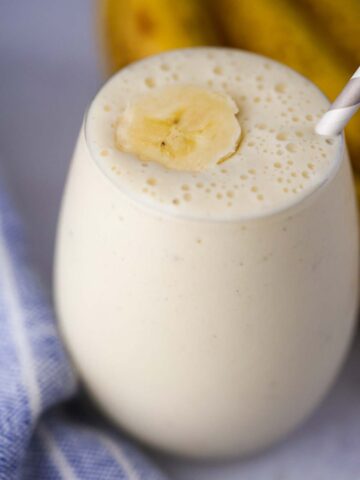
(206, 275)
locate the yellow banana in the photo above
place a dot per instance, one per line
(340, 21)
(279, 29)
(133, 29)
(178, 126)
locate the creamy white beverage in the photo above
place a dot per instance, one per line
(206, 274)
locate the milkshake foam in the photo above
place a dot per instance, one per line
(280, 159)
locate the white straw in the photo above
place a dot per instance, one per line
(344, 107)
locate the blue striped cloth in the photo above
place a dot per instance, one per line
(45, 431)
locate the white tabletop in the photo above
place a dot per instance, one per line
(49, 72)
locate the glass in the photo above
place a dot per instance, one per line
(205, 338)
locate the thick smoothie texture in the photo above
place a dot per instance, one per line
(209, 311)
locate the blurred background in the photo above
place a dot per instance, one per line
(53, 58)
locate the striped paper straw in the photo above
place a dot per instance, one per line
(344, 107)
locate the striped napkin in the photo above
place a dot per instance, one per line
(45, 432)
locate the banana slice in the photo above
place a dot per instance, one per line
(182, 127)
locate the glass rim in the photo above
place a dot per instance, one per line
(292, 207)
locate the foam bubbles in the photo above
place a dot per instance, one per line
(282, 136)
(218, 70)
(280, 88)
(291, 147)
(150, 82)
(187, 197)
(279, 158)
(151, 181)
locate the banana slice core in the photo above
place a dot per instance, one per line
(182, 127)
